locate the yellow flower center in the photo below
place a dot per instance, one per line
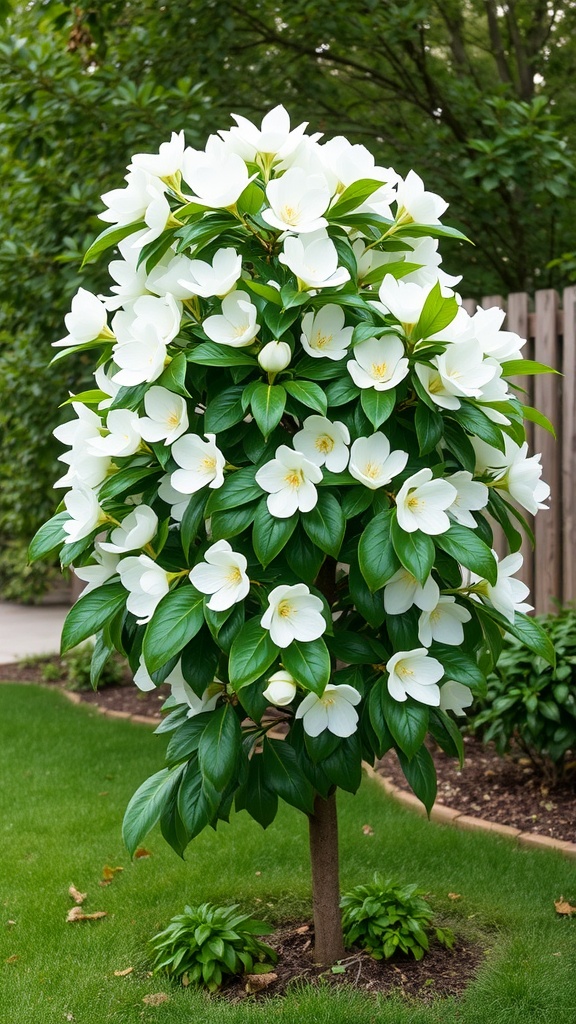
(379, 371)
(324, 443)
(234, 576)
(208, 463)
(321, 340)
(285, 609)
(372, 470)
(294, 478)
(404, 670)
(289, 214)
(173, 420)
(414, 503)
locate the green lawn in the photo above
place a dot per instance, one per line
(67, 774)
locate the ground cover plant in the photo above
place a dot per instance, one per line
(67, 831)
(286, 466)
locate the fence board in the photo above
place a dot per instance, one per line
(517, 322)
(548, 526)
(500, 543)
(568, 449)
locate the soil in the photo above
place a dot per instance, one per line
(442, 972)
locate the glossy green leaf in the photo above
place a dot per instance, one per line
(414, 550)
(309, 663)
(251, 654)
(177, 619)
(91, 613)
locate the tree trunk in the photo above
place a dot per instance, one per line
(328, 940)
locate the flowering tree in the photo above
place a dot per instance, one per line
(277, 492)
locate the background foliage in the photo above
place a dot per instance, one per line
(477, 96)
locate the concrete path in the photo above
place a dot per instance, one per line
(29, 629)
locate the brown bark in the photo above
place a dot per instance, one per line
(328, 940)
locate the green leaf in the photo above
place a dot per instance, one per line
(197, 800)
(185, 738)
(354, 648)
(528, 631)
(151, 253)
(255, 797)
(268, 402)
(370, 605)
(173, 378)
(309, 663)
(125, 481)
(378, 405)
(420, 773)
(191, 520)
(467, 548)
(219, 746)
(147, 805)
(376, 555)
(269, 534)
(477, 422)
(303, 557)
(284, 775)
(525, 368)
(459, 666)
(264, 290)
(110, 237)
(436, 314)
(429, 428)
(200, 661)
(352, 197)
(308, 393)
(341, 391)
(456, 441)
(325, 524)
(233, 521)
(103, 650)
(250, 201)
(447, 734)
(251, 654)
(91, 613)
(224, 410)
(238, 488)
(356, 500)
(535, 416)
(415, 551)
(92, 397)
(407, 722)
(209, 353)
(279, 320)
(49, 537)
(178, 618)
(377, 718)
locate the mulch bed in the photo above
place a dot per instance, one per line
(442, 972)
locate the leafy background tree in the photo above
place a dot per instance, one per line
(476, 94)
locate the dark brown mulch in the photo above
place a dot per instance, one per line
(508, 790)
(442, 972)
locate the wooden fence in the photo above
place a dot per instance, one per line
(549, 324)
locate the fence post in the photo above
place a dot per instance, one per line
(568, 449)
(548, 525)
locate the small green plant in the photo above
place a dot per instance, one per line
(77, 665)
(386, 918)
(206, 943)
(531, 705)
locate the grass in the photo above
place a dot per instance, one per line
(67, 776)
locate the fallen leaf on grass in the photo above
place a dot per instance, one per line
(454, 896)
(77, 914)
(139, 854)
(77, 896)
(122, 974)
(156, 999)
(563, 907)
(303, 929)
(257, 982)
(367, 830)
(11, 959)
(108, 874)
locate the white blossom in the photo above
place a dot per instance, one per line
(404, 301)
(183, 693)
(135, 531)
(414, 674)
(378, 363)
(372, 462)
(313, 259)
(415, 205)
(455, 697)
(131, 279)
(216, 278)
(471, 496)
(403, 590)
(514, 471)
(202, 463)
(85, 322)
(178, 501)
(222, 574)
(434, 386)
(501, 345)
(293, 613)
(507, 595)
(236, 325)
(347, 163)
(281, 689)
(324, 443)
(123, 437)
(167, 162)
(131, 204)
(462, 369)
(275, 356)
(297, 202)
(85, 513)
(274, 138)
(146, 582)
(99, 571)
(289, 479)
(167, 416)
(334, 711)
(217, 176)
(140, 360)
(443, 623)
(324, 333)
(421, 503)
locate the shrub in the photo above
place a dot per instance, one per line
(386, 918)
(78, 662)
(531, 705)
(206, 943)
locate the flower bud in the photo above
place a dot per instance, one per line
(275, 356)
(281, 689)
